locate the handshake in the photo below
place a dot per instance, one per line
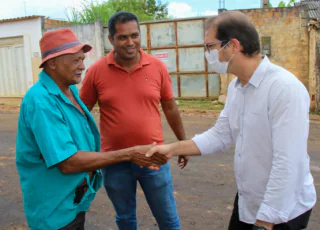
(153, 156)
(139, 157)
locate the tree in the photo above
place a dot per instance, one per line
(89, 12)
(289, 4)
(146, 10)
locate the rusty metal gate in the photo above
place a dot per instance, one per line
(179, 44)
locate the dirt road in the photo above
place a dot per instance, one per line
(204, 190)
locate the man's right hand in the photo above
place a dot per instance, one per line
(139, 157)
(160, 149)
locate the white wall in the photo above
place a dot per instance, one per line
(31, 31)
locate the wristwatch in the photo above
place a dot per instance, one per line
(255, 227)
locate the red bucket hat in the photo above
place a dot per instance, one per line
(59, 42)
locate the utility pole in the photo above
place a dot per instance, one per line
(222, 4)
(25, 8)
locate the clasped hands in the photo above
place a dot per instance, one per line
(139, 157)
(153, 156)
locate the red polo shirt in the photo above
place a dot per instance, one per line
(128, 101)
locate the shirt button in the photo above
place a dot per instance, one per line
(240, 194)
(87, 126)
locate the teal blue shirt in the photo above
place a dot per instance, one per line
(50, 130)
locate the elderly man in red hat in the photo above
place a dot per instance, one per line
(58, 142)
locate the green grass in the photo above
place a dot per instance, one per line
(198, 104)
(315, 113)
(195, 104)
(204, 104)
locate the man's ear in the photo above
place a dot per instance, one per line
(110, 39)
(52, 63)
(236, 45)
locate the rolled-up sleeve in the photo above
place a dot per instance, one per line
(216, 139)
(289, 117)
(51, 132)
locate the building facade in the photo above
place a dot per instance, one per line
(289, 36)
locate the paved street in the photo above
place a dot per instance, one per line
(204, 190)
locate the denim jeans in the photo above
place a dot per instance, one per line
(120, 181)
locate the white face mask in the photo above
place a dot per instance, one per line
(213, 60)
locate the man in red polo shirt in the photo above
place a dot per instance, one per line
(128, 85)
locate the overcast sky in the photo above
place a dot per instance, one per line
(55, 9)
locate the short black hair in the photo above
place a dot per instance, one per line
(231, 25)
(120, 17)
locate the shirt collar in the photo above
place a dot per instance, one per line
(144, 60)
(54, 89)
(258, 74)
(49, 83)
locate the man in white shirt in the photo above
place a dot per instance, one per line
(267, 117)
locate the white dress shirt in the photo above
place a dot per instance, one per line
(268, 120)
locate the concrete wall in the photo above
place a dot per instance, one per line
(317, 69)
(31, 32)
(312, 66)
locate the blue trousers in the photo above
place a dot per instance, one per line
(120, 182)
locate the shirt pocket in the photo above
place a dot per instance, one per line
(257, 127)
(256, 118)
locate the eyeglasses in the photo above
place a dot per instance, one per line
(210, 46)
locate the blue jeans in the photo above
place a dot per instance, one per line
(120, 182)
